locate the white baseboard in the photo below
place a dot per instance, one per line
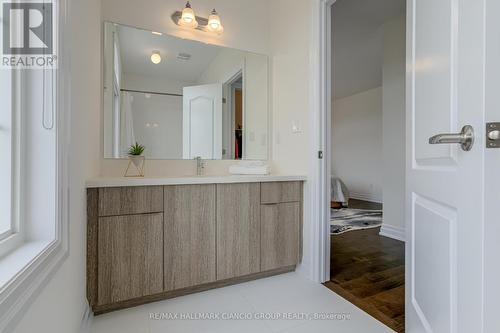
(393, 232)
(87, 319)
(365, 197)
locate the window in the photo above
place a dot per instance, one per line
(33, 177)
(6, 148)
(10, 235)
(29, 162)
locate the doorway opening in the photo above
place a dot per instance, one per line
(367, 151)
(234, 118)
(237, 111)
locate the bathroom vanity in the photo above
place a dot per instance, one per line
(157, 238)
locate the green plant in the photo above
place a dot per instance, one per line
(136, 150)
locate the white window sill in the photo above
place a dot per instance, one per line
(14, 263)
(23, 273)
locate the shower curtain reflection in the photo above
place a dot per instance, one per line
(127, 134)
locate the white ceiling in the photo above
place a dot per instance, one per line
(358, 43)
(137, 45)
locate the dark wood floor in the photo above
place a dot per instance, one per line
(368, 270)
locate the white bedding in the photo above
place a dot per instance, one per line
(339, 192)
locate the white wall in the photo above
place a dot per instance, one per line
(291, 73)
(357, 143)
(291, 89)
(60, 305)
(224, 66)
(393, 176)
(246, 23)
(136, 81)
(256, 107)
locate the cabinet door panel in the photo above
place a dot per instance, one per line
(189, 236)
(277, 192)
(130, 200)
(238, 230)
(279, 235)
(130, 257)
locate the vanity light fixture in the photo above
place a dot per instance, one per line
(214, 24)
(188, 19)
(156, 57)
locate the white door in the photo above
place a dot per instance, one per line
(445, 187)
(202, 122)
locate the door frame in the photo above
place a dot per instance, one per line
(320, 169)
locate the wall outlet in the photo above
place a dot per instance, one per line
(296, 128)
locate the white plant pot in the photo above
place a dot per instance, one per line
(138, 162)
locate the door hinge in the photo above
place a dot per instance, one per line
(224, 101)
(320, 154)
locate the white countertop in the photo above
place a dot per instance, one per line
(189, 180)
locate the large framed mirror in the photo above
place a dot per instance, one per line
(183, 99)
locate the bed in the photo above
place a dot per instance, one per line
(339, 192)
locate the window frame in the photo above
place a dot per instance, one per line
(36, 262)
(10, 101)
(13, 237)
(116, 93)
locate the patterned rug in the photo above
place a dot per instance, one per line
(347, 219)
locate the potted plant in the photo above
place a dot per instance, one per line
(135, 158)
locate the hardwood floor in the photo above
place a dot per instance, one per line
(368, 270)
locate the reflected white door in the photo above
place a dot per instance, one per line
(202, 122)
(445, 187)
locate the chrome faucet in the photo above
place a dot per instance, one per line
(200, 166)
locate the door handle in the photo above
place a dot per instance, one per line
(465, 138)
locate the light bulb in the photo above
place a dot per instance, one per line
(156, 57)
(188, 18)
(214, 24)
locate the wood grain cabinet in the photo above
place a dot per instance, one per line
(279, 192)
(279, 235)
(130, 200)
(281, 217)
(150, 243)
(130, 257)
(238, 230)
(189, 236)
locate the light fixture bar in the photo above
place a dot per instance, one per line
(212, 24)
